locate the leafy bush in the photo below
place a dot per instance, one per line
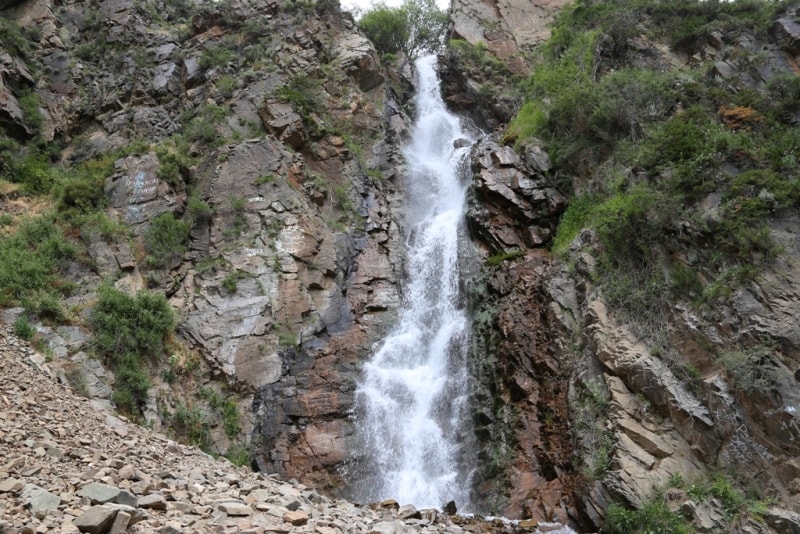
(198, 211)
(752, 369)
(34, 172)
(173, 155)
(23, 328)
(215, 57)
(80, 194)
(166, 240)
(12, 39)
(414, 28)
(201, 127)
(32, 259)
(129, 332)
(654, 517)
(193, 426)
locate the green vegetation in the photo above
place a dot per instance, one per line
(589, 409)
(654, 517)
(12, 38)
(497, 259)
(201, 125)
(173, 156)
(166, 240)
(32, 261)
(192, 426)
(130, 333)
(239, 222)
(302, 93)
(651, 147)
(414, 28)
(752, 370)
(23, 328)
(226, 409)
(238, 454)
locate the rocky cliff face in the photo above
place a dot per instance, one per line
(579, 407)
(266, 134)
(271, 130)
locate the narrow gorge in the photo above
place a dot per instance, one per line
(548, 273)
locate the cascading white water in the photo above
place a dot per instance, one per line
(411, 402)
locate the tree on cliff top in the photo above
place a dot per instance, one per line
(416, 27)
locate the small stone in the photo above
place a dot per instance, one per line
(11, 484)
(153, 501)
(120, 524)
(40, 500)
(126, 498)
(528, 523)
(298, 518)
(99, 493)
(408, 512)
(235, 508)
(95, 520)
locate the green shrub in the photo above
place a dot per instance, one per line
(226, 85)
(238, 454)
(193, 426)
(129, 333)
(239, 222)
(215, 57)
(230, 418)
(198, 211)
(201, 127)
(174, 160)
(166, 240)
(654, 517)
(80, 194)
(34, 172)
(230, 282)
(30, 104)
(32, 259)
(751, 369)
(23, 328)
(12, 39)
(415, 27)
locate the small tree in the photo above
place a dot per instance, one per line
(416, 27)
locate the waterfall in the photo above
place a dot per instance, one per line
(411, 410)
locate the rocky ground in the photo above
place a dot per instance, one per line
(66, 466)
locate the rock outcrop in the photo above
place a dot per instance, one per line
(271, 134)
(68, 467)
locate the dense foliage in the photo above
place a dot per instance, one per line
(416, 27)
(645, 147)
(131, 332)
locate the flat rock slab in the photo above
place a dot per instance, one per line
(297, 518)
(99, 493)
(236, 508)
(96, 519)
(39, 499)
(153, 501)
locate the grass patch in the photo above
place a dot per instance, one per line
(497, 259)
